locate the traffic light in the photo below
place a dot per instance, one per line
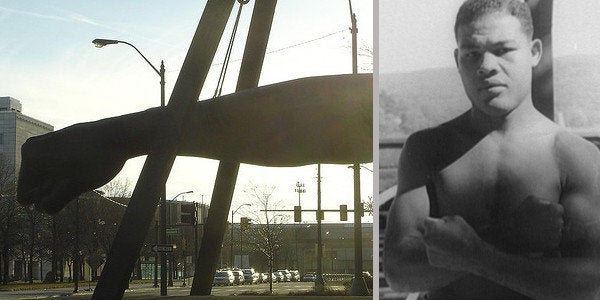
(343, 212)
(320, 215)
(297, 213)
(188, 213)
(244, 223)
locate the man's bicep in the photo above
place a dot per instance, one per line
(406, 214)
(581, 200)
(414, 167)
(581, 234)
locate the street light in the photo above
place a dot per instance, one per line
(99, 43)
(231, 250)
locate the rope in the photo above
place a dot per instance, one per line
(229, 50)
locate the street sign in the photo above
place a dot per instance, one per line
(162, 248)
(173, 231)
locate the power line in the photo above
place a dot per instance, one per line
(307, 42)
(284, 48)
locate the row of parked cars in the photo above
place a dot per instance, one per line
(249, 276)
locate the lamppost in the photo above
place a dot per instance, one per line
(99, 43)
(233, 213)
(299, 189)
(170, 275)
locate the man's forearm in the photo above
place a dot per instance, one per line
(408, 270)
(540, 278)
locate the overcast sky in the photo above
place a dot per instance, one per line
(48, 62)
(416, 35)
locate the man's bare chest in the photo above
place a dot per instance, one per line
(494, 177)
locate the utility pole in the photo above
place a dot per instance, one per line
(319, 282)
(359, 287)
(195, 256)
(163, 202)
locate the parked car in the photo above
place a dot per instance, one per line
(277, 277)
(250, 277)
(295, 275)
(238, 276)
(287, 276)
(264, 277)
(223, 277)
(368, 279)
(309, 277)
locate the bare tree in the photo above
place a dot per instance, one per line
(9, 212)
(268, 234)
(35, 225)
(368, 205)
(120, 187)
(365, 52)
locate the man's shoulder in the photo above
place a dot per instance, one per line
(435, 137)
(571, 144)
(575, 154)
(423, 153)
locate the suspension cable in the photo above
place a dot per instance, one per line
(221, 80)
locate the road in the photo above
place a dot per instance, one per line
(146, 291)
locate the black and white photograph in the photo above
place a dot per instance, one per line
(488, 160)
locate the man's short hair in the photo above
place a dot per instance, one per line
(470, 10)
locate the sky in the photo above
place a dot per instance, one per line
(415, 35)
(48, 62)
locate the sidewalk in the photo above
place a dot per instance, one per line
(147, 291)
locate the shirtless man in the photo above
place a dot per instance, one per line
(498, 203)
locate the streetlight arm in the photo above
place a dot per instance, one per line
(99, 43)
(138, 51)
(188, 192)
(233, 213)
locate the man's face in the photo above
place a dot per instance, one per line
(495, 60)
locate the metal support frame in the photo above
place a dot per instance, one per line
(136, 221)
(256, 45)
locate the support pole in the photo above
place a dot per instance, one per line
(214, 229)
(138, 216)
(212, 239)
